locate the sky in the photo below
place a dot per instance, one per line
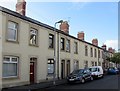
(97, 19)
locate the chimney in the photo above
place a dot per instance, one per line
(80, 35)
(95, 42)
(21, 7)
(111, 50)
(104, 47)
(64, 26)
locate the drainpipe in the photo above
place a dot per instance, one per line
(98, 57)
(58, 55)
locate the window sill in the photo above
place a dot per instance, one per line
(62, 50)
(10, 77)
(33, 45)
(50, 48)
(76, 53)
(50, 74)
(10, 41)
(68, 51)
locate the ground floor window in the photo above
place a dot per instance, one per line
(85, 64)
(10, 66)
(95, 63)
(50, 66)
(99, 63)
(92, 63)
(76, 65)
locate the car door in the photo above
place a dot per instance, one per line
(86, 75)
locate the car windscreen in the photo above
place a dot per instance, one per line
(93, 69)
(77, 71)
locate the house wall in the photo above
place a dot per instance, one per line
(42, 52)
(1, 49)
(24, 51)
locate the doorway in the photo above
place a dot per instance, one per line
(68, 67)
(32, 70)
(63, 69)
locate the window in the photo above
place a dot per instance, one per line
(76, 65)
(51, 40)
(99, 63)
(85, 64)
(95, 53)
(50, 66)
(62, 43)
(91, 50)
(10, 66)
(95, 63)
(67, 45)
(33, 36)
(103, 55)
(12, 31)
(75, 48)
(86, 51)
(98, 53)
(92, 63)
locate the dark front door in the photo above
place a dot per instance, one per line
(31, 72)
(68, 67)
(62, 69)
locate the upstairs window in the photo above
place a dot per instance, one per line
(75, 47)
(91, 50)
(62, 44)
(98, 53)
(67, 45)
(95, 53)
(86, 51)
(51, 40)
(33, 36)
(12, 33)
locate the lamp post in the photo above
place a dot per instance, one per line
(55, 51)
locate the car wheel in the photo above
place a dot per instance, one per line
(83, 80)
(91, 78)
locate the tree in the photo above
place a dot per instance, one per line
(115, 58)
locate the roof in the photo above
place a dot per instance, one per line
(8, 11)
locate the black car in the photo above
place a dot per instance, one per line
(80, 75)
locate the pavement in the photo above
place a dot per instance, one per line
(36, 86)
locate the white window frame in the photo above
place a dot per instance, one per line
(50, 62)
(76, 64)
(51, 37)
(11, 62)
(75, 47)
(35, 33)
(67, 45)
(11, 28)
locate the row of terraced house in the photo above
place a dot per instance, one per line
(31, 51)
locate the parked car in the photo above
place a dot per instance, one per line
(96, 71)
(113, 70)
(80, 75)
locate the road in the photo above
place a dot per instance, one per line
(109, 82)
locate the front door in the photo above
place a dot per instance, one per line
(68, 67)
(32, 72)
(63, 69)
